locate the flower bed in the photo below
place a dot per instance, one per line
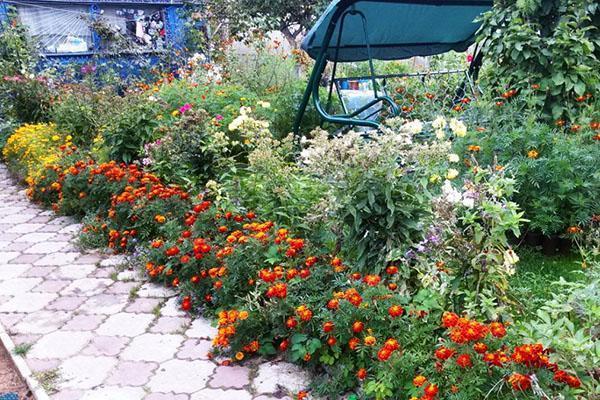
(276, 293)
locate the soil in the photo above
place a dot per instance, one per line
(10, 379)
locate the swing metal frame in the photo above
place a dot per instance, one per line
(345, 10)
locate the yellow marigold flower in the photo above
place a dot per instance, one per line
(533, 154)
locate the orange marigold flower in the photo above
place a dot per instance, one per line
(160, 219)
(370, 340)
(449, 319)
(464, 361)
(431, 390)
(419, 380)
(519, 382)
(361, 374)
(533, 154)
(395, 311)
(358, 326)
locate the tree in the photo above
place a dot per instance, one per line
(291, 18)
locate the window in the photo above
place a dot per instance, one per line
(58, 28)
(138, 27)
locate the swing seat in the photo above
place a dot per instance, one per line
(367, 30)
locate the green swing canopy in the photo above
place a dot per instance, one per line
(398, 29)
(364, 30)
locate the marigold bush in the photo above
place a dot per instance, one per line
(31, 147)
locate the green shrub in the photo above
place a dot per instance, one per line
(556, 170)
(553, 45)
(130, 126)
(82, 111)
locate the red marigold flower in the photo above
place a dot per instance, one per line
(384, 354)
(372, 280)
(519, 382)
(361, 374)
(291, 323)
(480, 347)
(449, 319)
(498, 329)
(333, 304)
(331, 341)
(431, 390)
(283, 346)
(391, 344)
(353, 343)
(391, 270)
(419, 380)
(464, 361)
(395, 311)
(444, 353)
(328, 326)
(358, 326)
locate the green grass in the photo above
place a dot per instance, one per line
(532, 283)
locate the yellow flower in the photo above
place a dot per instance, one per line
(69, 138)
(175, 113)
(435, 178)
(533, 154)
(451, 174)
(55, 138)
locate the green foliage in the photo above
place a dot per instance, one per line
(553, 44)
(82, 112)
(277, 188)
(130, 125)
(555, 169)
(290, 17)
(17, 51)
(568, 323)
(26, 99)
(185, 153)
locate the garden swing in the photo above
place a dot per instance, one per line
(367, 30)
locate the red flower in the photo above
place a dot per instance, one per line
(361, 374)
(358, 326)
(497, 329)
(395, 311)
(449, 320)
(419, 380)
(519, 382)
(432, 390)
(444, 353)
(480, 347)
(372, 280)
(328, 327)
(464, 361)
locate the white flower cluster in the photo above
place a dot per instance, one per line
(453, 196)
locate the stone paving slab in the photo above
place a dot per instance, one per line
(85, 329)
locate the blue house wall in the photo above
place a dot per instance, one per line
(174, 27)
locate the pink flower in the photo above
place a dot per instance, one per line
(469, 58)
(185, 107)
(219, 117)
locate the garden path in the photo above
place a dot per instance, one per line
(92, 329)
